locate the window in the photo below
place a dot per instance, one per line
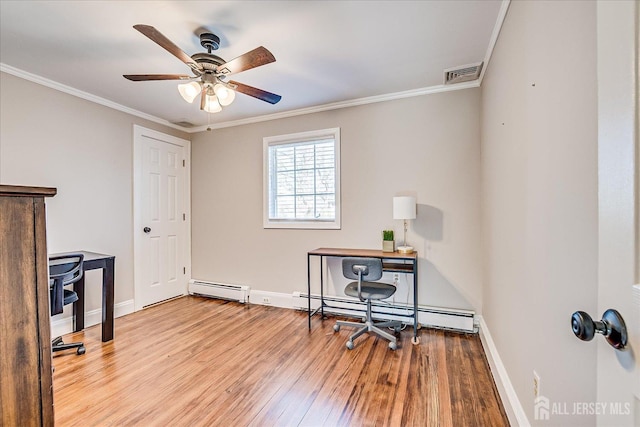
(302, 180)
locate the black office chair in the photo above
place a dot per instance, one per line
(64, 270)
(366, 270)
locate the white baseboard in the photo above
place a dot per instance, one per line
(229, 291)
(461, 320)
(276, 299)
(94, 317)
(512, 405)
(434, 317)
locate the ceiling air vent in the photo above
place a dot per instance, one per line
(184, 124)
(463, 73)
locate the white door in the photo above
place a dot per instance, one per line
(161, 224)
(618, 376)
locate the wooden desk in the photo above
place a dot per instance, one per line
(93, 261)
(391, 261)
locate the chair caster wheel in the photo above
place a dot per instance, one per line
(81, 350)
(397, 329)
(350, 345)
(336, 327)
(393, 345)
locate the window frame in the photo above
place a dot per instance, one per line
(301, 138)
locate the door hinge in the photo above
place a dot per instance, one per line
(184, 216)
(184, 162)
(184, 270)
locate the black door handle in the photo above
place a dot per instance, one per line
(146, 230)
(612, 326)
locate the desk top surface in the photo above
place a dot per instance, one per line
(373, 253)
(88, 256)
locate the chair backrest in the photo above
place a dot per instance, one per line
(371, 268)
(63, 270)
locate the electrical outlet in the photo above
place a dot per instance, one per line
(536, 384)
(266, 300)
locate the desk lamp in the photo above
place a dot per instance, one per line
(404, 208)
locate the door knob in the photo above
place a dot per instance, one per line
(146, 230)
(612, 326)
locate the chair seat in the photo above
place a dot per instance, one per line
(370, 290)
(70, 297)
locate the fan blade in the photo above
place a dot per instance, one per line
(167, 44)
(263, 95)
(145, 77)
(255, 58)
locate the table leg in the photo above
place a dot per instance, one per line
(321, 289)
(78, 306)
(108, 299)
(415, 302)
(309, 288)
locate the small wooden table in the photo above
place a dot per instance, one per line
(93, 261)
(391, 261)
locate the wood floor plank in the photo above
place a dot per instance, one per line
(402, 390)
(298, 389)
(442, 393)
(335, 391)
(203, 362)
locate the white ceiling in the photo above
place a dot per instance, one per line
(326, 51)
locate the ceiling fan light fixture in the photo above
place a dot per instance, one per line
(209, 72)
(225, 95)
(211, 104)
(189, 91)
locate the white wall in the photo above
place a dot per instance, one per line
(539, 173)
(427, 146)
(52, 139)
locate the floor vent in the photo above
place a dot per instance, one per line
(463, 73)
(225, 291)
(433, 317)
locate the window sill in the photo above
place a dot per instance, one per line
(304, 225)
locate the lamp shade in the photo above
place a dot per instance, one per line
(224, 94)
(404, 207)
(189, 91)
(211, 104)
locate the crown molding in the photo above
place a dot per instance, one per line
(84, 95)
(257, 119)
(502, 13)
(342, 104)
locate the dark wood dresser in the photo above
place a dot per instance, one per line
(26, 389)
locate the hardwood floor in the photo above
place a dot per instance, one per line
(204, 362)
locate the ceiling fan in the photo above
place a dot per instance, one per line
(210, 72)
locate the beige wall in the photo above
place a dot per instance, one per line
(532, 179)
(535, 168)
(539, 173)
(427, 146)
(85, 150)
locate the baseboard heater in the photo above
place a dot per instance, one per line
(433, 317)
(225, 291)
